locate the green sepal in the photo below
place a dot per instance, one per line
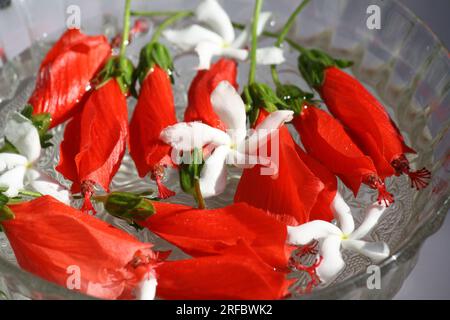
(42, 123)
(130, 207)
(190, 171)
(5, 212)
(119, 68)
(153, 54)
(8, 147)
(312, 64)
(294, 97)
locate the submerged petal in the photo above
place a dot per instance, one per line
(185, 136)
(343, 214)
(21, 132)
(211, 13)
(376, 251)
(373, 214)
(187, 39)
(269, 56)
(314, 230)
(230, 108)
(332, 262)
(213, 178)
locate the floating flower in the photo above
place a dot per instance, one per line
(333, 238)
(19, 170)
(94, 141)
(325, 139)
(65, 74)
(231, 147)
(199, 106)
(80, 252)
(220, 40)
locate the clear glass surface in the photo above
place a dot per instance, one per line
(403, 63)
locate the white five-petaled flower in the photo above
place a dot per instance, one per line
(220, 40)
(332, 238)
(230, 147)
(17, 171)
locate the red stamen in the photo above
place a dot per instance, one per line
(87, 190)
(308, 249)
(383, 195)
(419, 179)
(163, 191)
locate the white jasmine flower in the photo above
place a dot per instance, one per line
(220, 39)
(231, 147)
(332, 238)
(146, 289)
(17, 171)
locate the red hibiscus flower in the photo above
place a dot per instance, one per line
(154, 111)
(65, 74)
(364, 117)
(369, 125)
(200, 232)
(289, 195)
(95, 140)
(51, 240)
(326, 140)
(199, 96)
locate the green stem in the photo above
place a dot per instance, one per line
(198, 194)
(30, 193)
(171, 20)
(126, 29)
(159, 13)
(257, 11)
(282, 37)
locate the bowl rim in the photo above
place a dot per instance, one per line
(415, 239)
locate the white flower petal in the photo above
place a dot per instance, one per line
(332, 262)
(21, 132)
(244, 37)
(230, 108)
(187, 39)
(213, 178)
(11, 160)
(305, 233)
(211, 13)
(186, 136)
(146, 290)
(206, 51)
(343, 214)
(269, 56)
(13, 180)
(268, 127)
(376, 251)
(46, 185)
(237, 54)
(373, 214)
(245, 161)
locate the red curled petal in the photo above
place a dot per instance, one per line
(236, 274)
(199, 96)
(65, 74)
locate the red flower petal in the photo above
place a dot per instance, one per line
(205, 232)
(51, 240)
(100, 143)
(199, 105)
(325, 139)
(368, 123)
(291, 194)
(236, 274)
(65, 74)
(154, 111)
(321, 209)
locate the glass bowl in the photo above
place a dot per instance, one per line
(403, 63)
